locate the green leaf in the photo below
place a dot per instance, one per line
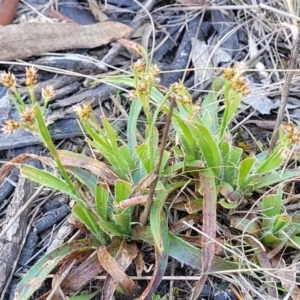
(84, 177)
(156, 213)
(123, 190)
(209, 113)
(185, 136)
(135, 109)
(48, 179)
(183, 251)
(271, 163)
(34, 278)
(102, 196)
(90, 221)
(272, 178)
(123, 217)
(245, 168)
(228, 205)
(142, 153)
(271, 204)
(280, 222)
(209, 148)
(232, 101)
(270, 239)
(161, 259)
(295, 242)
(85, 297)
(112, 229)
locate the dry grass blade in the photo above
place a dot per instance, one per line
(208, 189)
(126, 254)
(115, 271)
(94, 166)
(286, 90)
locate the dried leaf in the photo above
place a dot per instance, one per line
(96, 167)
(209, 192)
(23, 40)
(116, 272)
(124, 259)
(139, 264)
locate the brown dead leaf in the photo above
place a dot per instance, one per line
(124, 257)
(192, 2)
(71, 159)
(115, 271)
(139, 264)
(15, 162)
(23, 40)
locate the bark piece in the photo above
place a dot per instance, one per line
(6, 188)
(10, 243)
(24, 40)
(51, 218)
(29, 248)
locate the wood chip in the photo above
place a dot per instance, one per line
(24, 40)
(11, 242)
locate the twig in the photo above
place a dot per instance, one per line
(286, 89)
(146, 212)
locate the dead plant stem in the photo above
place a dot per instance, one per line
(286, 89)
(146, 212)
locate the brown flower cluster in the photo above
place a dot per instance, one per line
(48, 93)
(139, 66)
(10, 126)
(236, 80)
(292, 133)
(8, 80)
(31, 77)
(28, 116)
(84, 112)
(182, 94)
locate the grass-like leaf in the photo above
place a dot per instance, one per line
(48, 179)
(156, 214)
(90, 221)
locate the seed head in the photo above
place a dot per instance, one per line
(8, 80)
(285, 153)
(179, 87)
(28, 116)
(10, 127)
(229, 73)
(132, 94)
(84, 112)
(139, 66)
(154, 70)
(31, 77)
(48, 93)
(143, 87)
